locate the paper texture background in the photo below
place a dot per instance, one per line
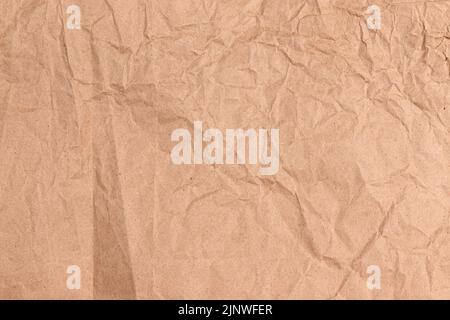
(86, 177)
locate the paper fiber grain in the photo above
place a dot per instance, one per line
(191, 149)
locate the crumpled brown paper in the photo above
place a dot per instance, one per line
(86, 178)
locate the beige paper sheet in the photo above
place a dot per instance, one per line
(86, 176)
